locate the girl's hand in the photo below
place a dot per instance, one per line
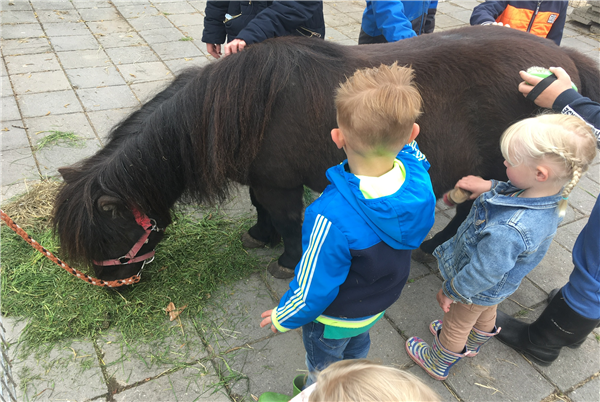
(267, 320)
(444, 301)
(475, 184)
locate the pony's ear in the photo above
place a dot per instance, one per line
(108, 203)
(68, 173)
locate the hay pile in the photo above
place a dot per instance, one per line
(34, 208)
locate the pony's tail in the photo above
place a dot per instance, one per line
(588, 73)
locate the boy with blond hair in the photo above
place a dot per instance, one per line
(358, 235)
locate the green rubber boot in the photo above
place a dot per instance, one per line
(298, 383)
(273, 397)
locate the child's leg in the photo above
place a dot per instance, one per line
(320, 352)
(457, 325)
(358, 347)
(487, 320)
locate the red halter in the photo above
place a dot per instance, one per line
(149, 226)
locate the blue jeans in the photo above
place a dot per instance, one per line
(321, 352)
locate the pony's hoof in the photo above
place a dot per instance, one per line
(279, 272)
(422, 257)
(250, 242)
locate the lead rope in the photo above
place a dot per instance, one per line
(98, 282)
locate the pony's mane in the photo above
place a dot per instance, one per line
(193, 138)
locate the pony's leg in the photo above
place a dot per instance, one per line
(263, 232)
(286, 213)
(462, 211)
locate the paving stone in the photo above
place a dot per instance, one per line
(554, 270)
(52, 158)
(32, 63)
(14, 190)
(493, 373)
(83, 58)
(9, 111)
(150, 22)
(91, 77)
(98, 14)
(5, 89)
(131, 54)
(199, 5)
(145, 91)
(352, 31)
(131, 362)
(112, 40)
(187, 19)
(528, 294)
(267, 366)
(593, 174)
(463, 16)
(26, 46)
(58, 102)
(195, 383)
(66, 28)
(177, 65)
(17, 17)
(334, 35)
(574, 365)
(584, 195)
(587, 393)
(233, 314)
(161, 35)
(169, 51)
(18, 165)
(22, 31)
(40, 127)
(74, 42)
(579, 45)
(107, 98)
(104, 120)
(445, 21)
(14, 6)
(81, 4)
(417, 270)
(144, 72)
(336, 20)
(437, 386)
(175, 8)
(568, 233)
(109, 27)
(387, 346)
(136, 9)
(13, 136)
(417, 307)
(195, 32)
(57, 16)
(39, 82)
(52, 4)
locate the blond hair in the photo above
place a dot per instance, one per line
(363, 380)
(377, 107)
(566, 141)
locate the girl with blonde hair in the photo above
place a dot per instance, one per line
(507, 233)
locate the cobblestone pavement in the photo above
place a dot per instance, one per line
(81, 66)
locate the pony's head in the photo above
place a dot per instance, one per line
(101, 229)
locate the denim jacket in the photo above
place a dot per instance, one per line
(499, 243)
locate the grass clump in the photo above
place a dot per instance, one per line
(60, 137)
(195, 258)
(186, 39)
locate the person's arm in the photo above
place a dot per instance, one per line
(486, 13)
(390, 19)
(322, 270)
(558, 26)
(277, 19)
(475, 185)
(214, 33)
(494, 256)
(561, 97)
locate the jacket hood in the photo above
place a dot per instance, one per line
(401, 220)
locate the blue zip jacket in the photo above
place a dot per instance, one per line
(393, 19)
(356, 251)
(582, 292)
(256, 21)
(499, 243)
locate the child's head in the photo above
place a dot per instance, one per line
(377, 107)
(564, 143)
(363, 380)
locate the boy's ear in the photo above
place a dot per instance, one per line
(338, 138)
(415, 132)
(542, 173)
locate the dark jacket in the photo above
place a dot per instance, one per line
(541, 18)
(255, 21)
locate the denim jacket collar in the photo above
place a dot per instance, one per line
(500, 190)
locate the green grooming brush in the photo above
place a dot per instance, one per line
(543, 72)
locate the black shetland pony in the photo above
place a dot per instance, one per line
(263, 118)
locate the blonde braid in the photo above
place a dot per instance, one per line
(576, 175)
